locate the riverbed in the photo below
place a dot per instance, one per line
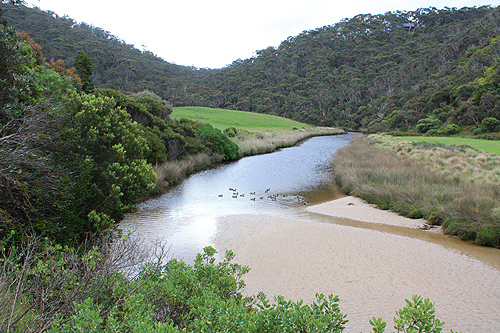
(258, 207)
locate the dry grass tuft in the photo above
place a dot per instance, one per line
(172, 172)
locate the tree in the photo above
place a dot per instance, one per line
(83, 66)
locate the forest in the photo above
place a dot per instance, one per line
(431, 71)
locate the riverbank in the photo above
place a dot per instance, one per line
(356, 209)
(455, 188)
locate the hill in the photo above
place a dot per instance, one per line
(430, 70)
(223, 119)
(116, 64)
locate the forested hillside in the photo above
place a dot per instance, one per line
(116, 64)
(375, 72)
(426, 70)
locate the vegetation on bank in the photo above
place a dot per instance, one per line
(455, 188)
(74, 158)
(247, 121)
(252, 134)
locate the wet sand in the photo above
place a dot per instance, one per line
(373, 272)
(356, 209)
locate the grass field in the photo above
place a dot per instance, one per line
(250, 121)
(490, 146)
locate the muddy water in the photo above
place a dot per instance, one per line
(372, 267)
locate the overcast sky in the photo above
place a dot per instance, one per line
(214, 33)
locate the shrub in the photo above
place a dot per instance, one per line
(426, 124)
(452, 129)
(417, 316)
(231, 131)
(218, 142)
(491, 124)
(477, 131)
(62, 290)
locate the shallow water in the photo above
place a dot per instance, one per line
(385, 264)
(186, 216)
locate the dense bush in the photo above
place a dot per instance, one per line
(218, 142)
(491, 124)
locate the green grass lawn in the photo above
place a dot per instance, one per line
(250, 121)
(491, 146)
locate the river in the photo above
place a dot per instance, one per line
(255, 206)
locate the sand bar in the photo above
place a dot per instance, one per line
(356, 209)
(372, 272)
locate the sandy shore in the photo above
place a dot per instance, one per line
(356, 209)
(372, 272)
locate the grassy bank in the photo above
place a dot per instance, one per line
(458, 189)
(266, 142)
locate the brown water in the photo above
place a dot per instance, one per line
(295, 253)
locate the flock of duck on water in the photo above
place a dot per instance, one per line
(235, 194)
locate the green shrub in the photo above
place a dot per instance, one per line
(477, 131)
(218, 142)
(452, 129)
(417, 316)
(491, 124)
(426, 124)
(231, 131)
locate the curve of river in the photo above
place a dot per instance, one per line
(292, 252)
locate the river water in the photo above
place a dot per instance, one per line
(255, 206)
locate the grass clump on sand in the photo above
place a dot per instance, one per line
(418, 182)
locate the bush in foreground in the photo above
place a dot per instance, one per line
(46, 287)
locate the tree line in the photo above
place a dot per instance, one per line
(425, 70)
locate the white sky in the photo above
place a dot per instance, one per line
(214, 33)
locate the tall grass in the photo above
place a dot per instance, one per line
(172, 172)
(468, 209)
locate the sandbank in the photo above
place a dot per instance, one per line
(356, 209)
(373, 272)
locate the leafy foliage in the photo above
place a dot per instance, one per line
(83, 66)
(47, 287)
(218, 142)
(417, 316)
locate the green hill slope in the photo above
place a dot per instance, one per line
(222, 119)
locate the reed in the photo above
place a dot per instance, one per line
(385, 175)
(172, 172)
